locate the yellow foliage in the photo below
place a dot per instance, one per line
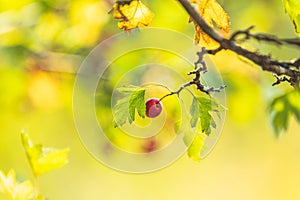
(292, 7)
(14, 190)
(212, 12)
(132, 15)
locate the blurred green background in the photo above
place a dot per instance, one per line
(42, 44)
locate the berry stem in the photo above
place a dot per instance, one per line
(176, 92)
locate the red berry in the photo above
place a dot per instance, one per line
(153, 107)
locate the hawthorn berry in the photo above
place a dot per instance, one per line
(153, 107)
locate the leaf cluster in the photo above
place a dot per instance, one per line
(205, 14)
(41, 160)
(200, 125)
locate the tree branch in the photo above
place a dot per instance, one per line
(287, 68)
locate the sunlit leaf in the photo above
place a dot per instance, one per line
(126, 107)
(121, 114)
(292, 7)
(43, 159)
(282, 108)
(13, 189)
(194, 111)
(137, 102)
(196, 146)
(201, 109)
(206, 119)
(213, 13)
(132, 14)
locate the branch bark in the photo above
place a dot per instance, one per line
(287, 68)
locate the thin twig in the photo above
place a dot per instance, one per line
(280, 80)
(200, 68)
(177, 92)
(265, 37)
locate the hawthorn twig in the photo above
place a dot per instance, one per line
(264, 37)
(288, 68)
(176, 92)
(280, 80)
(200, 67)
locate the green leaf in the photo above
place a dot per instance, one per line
(205, 106)
(121, 112)
(201, 108)
(195, 147)
(280, 122)
(125, 107)
(282, 108)
(137, 102)
(294, 99)
(43, 159)
(292, 7)
(194, 111)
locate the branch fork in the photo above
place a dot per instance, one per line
(200, 68)
(288, 69)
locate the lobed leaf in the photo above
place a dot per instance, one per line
(121, 112)
(43, 159)
(137, 102)
(126, 107)
(133, 14)
(206, 119)
(282, 108)
(199, 126)
(195, 147)
(200, 110)
(195, 113)
(213, 13)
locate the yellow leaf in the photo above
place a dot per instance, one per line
(14, 190)
(292, 7)
(195, 147)
(132, 14)
(212, 12)
(43, 159)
